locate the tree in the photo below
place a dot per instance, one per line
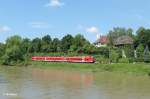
(2, 49)
(46, 44)
(140, 52)
(89, 48)
(143, 36)
(56, 45)
(25, 45)
(114, 56)
(13, 41)
(13, 53)
(117, 32)
(103, 51)
(35, 45)
(66, 42)
(78, 43)
(47, 39)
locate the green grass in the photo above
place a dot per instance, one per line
(137, 68)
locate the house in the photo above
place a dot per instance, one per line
(122, 41)
(102, 41)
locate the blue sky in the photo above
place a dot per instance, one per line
(36, 18)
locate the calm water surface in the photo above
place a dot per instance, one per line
(36, 83)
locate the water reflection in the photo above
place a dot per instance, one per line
(36, 83)
(74, 78)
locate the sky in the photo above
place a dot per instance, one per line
(36, 18)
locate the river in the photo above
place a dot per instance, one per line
(36, 83)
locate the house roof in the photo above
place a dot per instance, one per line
(102, 40)
(123, 40)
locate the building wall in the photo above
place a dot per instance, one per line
(100, 45)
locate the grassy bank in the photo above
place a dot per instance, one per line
(137, 68)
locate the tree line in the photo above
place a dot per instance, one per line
(18, 50)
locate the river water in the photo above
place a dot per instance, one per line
(36, 83)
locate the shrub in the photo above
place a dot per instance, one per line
(101, 59)
(104, 51)
(114, 56)
(131, 60)
(123, 60)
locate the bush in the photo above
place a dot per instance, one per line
(123, 60)
(139, 59)
(101, 59)
(104, 51)
(114, 56)
(131, 60)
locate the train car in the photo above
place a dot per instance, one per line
(74, 59)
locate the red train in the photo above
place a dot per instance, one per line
(74, 59)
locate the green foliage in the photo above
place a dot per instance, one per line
(140, 53)
(114, 56)
(101, 59)
(25, 45)
(17, 50)
(46, 44)
(143, 36)
(13, 41)
(129, 51)
(56, 45)
(2, 49)
(79, 44)
(123, 60)
(104, 51)
(137, 68)
(117, 32)
(88, 48)
(140, 48)
(13, 53)
(35, 45)
(79, 40)
(66, 42)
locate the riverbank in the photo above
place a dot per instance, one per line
(130, 68)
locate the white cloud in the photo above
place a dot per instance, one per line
(54, 3)
(92, 29)
(39, 25)
(4, 29)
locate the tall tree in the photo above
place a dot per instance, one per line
(13, 53)
(46, 45)
(143, 36)
(56, 45)
(2, 49)
(79, 43)
(25, 45)
(35, 45)
(13, 41)
(66, 42)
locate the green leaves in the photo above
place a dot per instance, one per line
(143, 36)
(117, 32)
(66, 42)
(13, 52)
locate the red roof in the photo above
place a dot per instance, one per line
(103, 40)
